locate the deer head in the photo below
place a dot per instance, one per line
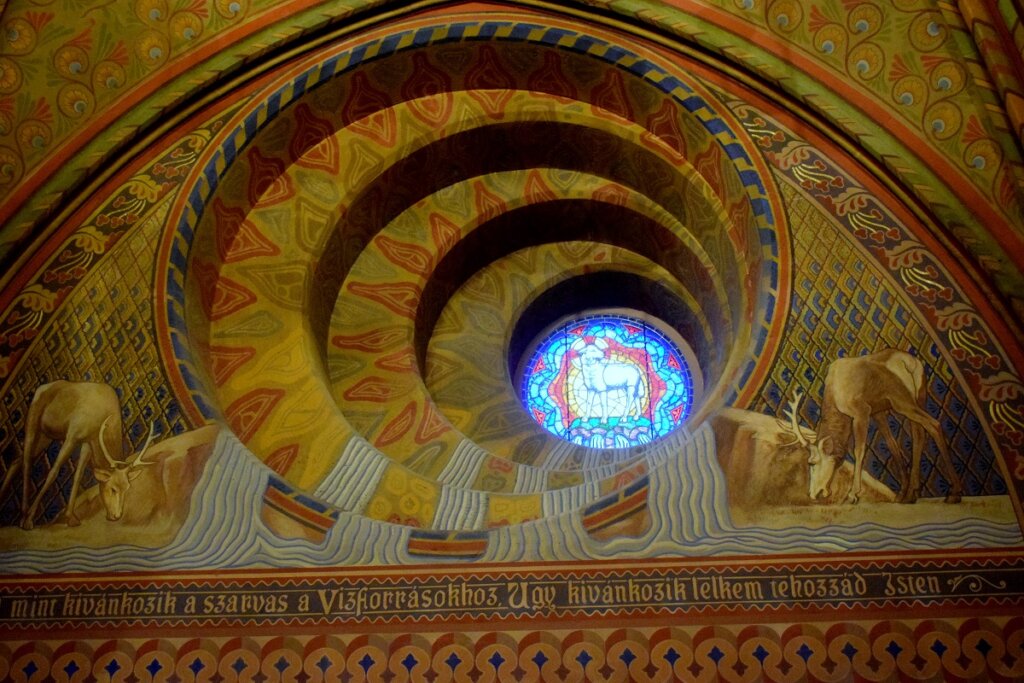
(821, 466)
(115, 479)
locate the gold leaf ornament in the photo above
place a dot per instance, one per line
(186, 26)
(90, 240)
(785, 15)
(108, 75)
(75, 100)
(19, 36)
(232, 8)
(10, 75)
(37, 298)
(34, 134)
(11, 166)
(866, 61)
(928, 31)
(153, 12)
(152, 48)
(71, 61)
(143, 187)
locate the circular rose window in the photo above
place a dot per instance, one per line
(607, 381)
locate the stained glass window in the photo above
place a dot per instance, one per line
(607, 381)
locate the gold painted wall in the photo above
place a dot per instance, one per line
(271, 272)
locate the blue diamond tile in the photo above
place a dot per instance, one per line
(761, 653)
(627, 657)
(496, 660)
(893, 648)
(239, 666)
(672, 656)
(540, 659)
(71, 669)
(154, 667)
(281, 664)
(31, 668)
(196, 666)
(366, 662)
(453, 661)
(716, 654)
(409, 662)
(584, 658)
(983, 647)
(805, 652)
(938, 647)
(112, 667)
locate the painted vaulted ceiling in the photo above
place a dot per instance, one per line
(923, 97)
(319, 241)
(928, 92)
(900, 117)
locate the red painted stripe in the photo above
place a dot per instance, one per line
(453, 548)
(619, 510)
(282, 502)
(1007, 46)
(320, 532)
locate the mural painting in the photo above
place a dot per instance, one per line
(438, 339)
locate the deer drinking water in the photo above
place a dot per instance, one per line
(855, 390)
(84, 416)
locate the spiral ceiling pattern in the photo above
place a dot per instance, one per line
(374, 241)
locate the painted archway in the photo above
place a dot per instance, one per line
(316, 270)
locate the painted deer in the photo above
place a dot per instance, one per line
(855, 390)
(85, 416)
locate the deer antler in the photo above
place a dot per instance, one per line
(103, 444)
(794, 422)
(137, 460)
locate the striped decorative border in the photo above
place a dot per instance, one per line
(618, 506)
(280, 498)
(447, 544)
(651, 591)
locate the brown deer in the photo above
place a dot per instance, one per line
(855, 390)
(84, 416)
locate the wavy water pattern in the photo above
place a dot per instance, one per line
(460, 509)
(689, 517)
(355, 476)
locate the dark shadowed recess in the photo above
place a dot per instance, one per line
(496, 148)
(577, 220)
(611, 289)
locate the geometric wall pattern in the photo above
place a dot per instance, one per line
(977, 649)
